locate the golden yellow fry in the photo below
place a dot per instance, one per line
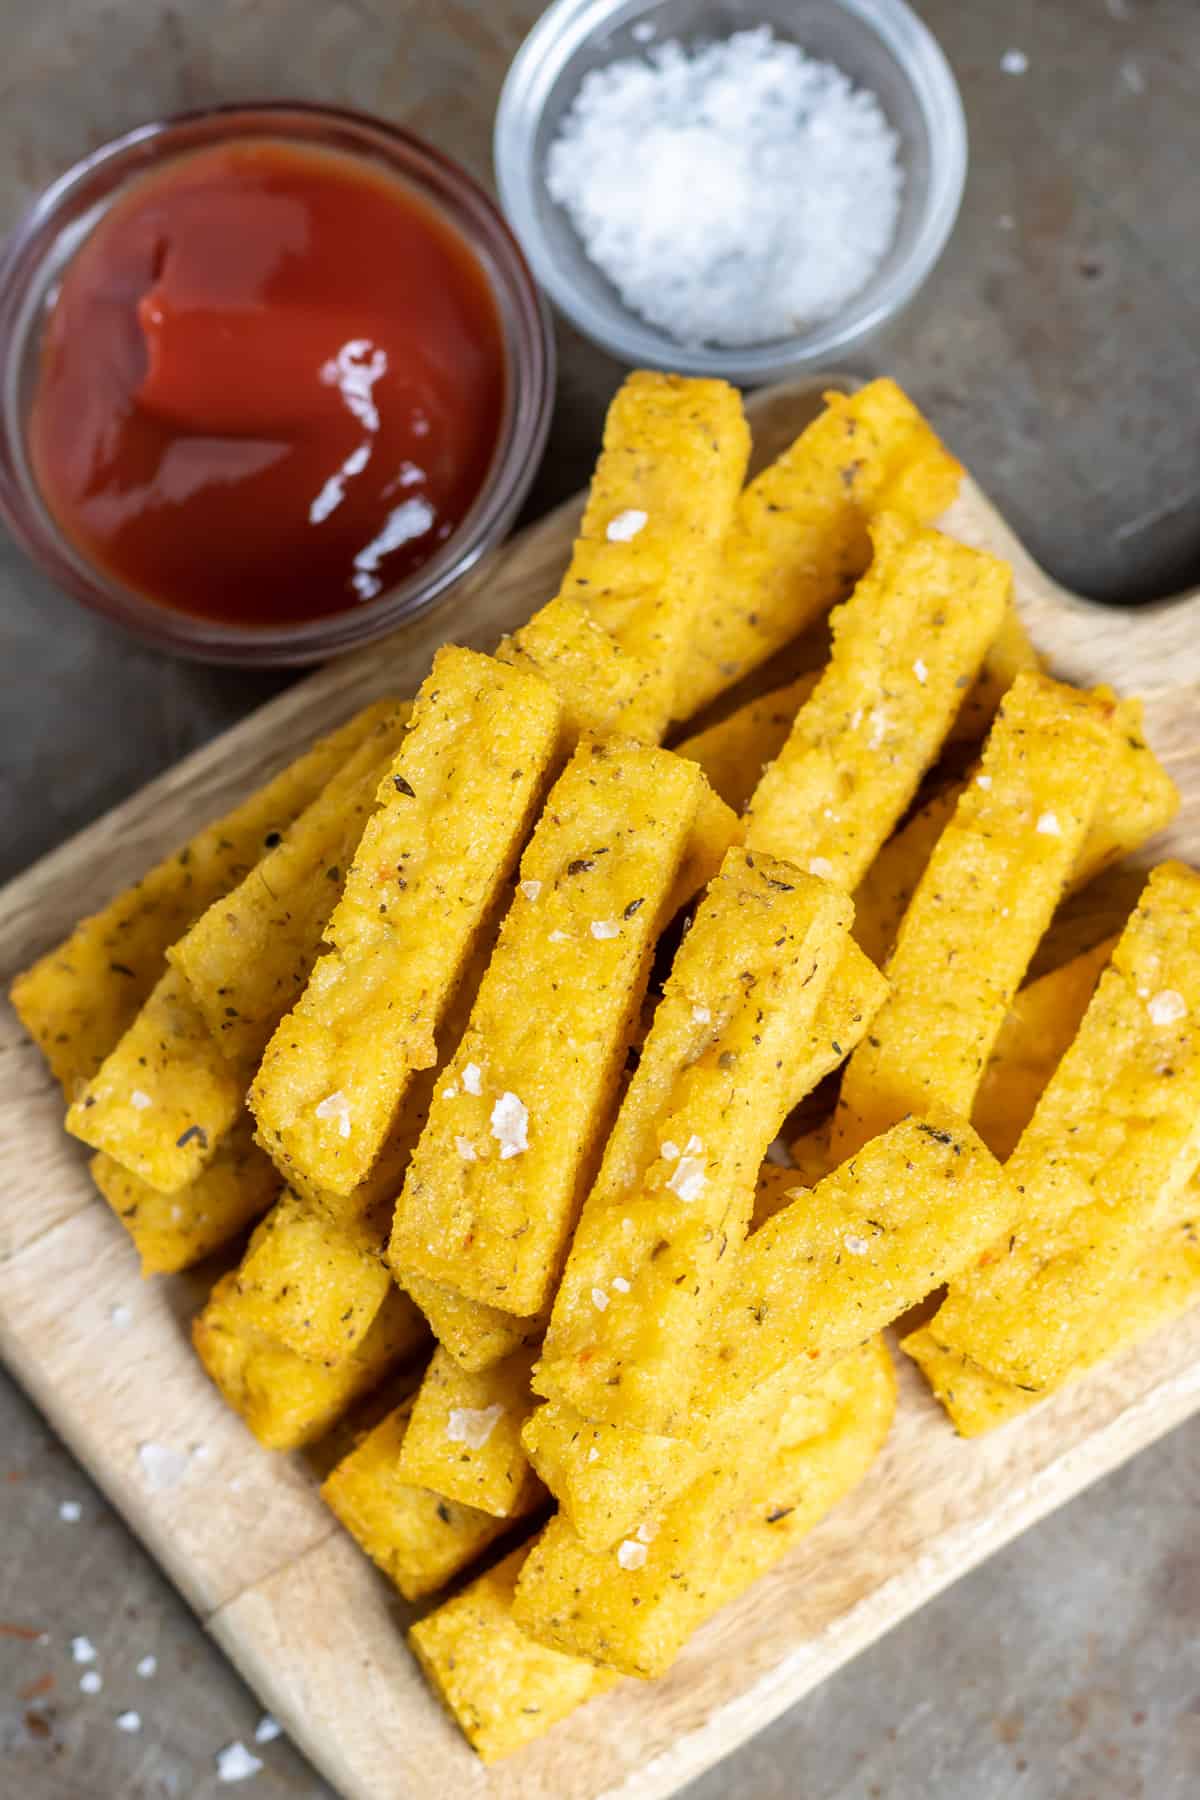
(464, 1437)
(502, 1689)
(1010, 654)
(452, 813)
(173, 1231)
(247, 958)
(911, 1210)
(475, 1335)
(632, 1607)
(286, 1400)
(905, 646)
(1164, 1283)
(520, 1112)
(734, 752)
(308, 1284)
(1139, 799)
(649, 546)
(79, 999)
(799, 539)
(986, 897)
(1041, 1023)
(420, 1540)
(1113, 1141)
(676, 1186)
(165, 1097)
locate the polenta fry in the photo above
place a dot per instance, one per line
(173, 1231)
(1113, 1141)
(734, 752)
(305, 1283)
(905, 645)
(498, 1176)
(464, 1437)
(452, 813)
(676, 1187)
(799, 539)
(986, 897)
(247, 958)
(419, 1539)
(79, 999)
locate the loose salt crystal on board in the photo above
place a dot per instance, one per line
(530, 889)
(820, 866)
(70, 1512)
(129, 1721)
(267, 1730)
(336, 1106)
(631, 1554)
(625, 525)
(599, 1299)
(688, 1179)
(1049, 826)
(90, 1683)
(120, 1316)
(473, 1425)
(162, 1466)
(472, 1078)
(148, 1667)
(140, 1099)
(510, 1125)
(605, 928)
(1166, 1007)
(236, 1763)
(82, 1650)
(1014, 62)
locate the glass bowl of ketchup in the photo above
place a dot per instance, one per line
(274, 378)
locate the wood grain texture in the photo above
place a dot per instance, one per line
(244, 1534)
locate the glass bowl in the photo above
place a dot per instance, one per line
(31, 264)
(880, 44)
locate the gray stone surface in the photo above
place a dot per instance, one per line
(1057, 348)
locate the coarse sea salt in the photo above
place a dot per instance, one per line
(734, 192)
(236, 1763)
(510, 1125)
(473, 1425)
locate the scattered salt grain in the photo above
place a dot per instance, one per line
(510, 1125)
(599, 1299)
(626, 525)
(1014, 62)
(558, 937)
(1166, 1007)
(688, 1179)
(670, 1150)
(121, 1317)
(631, 1554)
(267, 1730)
(857, 1246)
(921, 670)
(605, 928)
(473, 1425)
(593, 1454)
(1049, 826)
(798, 168)
(236, 1763)
(984, 781)
(466, 1149)
(620, 1283)
(90, 1683)
(530, 889)
(129, 1721)
(336, 1106)
(82, 1650)
(147, 1667)
(70, 1512)
(472, 1078)
(692, 1144)
(451, 1092)
(701, 1015)
(646, 1532)
(140, 1099)
(820, 866)
(162, 1467)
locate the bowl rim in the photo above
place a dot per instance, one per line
(562, 30)
(526, 329)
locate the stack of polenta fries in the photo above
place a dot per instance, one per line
(422, 1007)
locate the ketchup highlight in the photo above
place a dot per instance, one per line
(271, 385)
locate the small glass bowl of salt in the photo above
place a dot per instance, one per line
(728, 189)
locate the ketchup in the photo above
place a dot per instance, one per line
(271, 385)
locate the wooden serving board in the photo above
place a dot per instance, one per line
(243, 1533)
